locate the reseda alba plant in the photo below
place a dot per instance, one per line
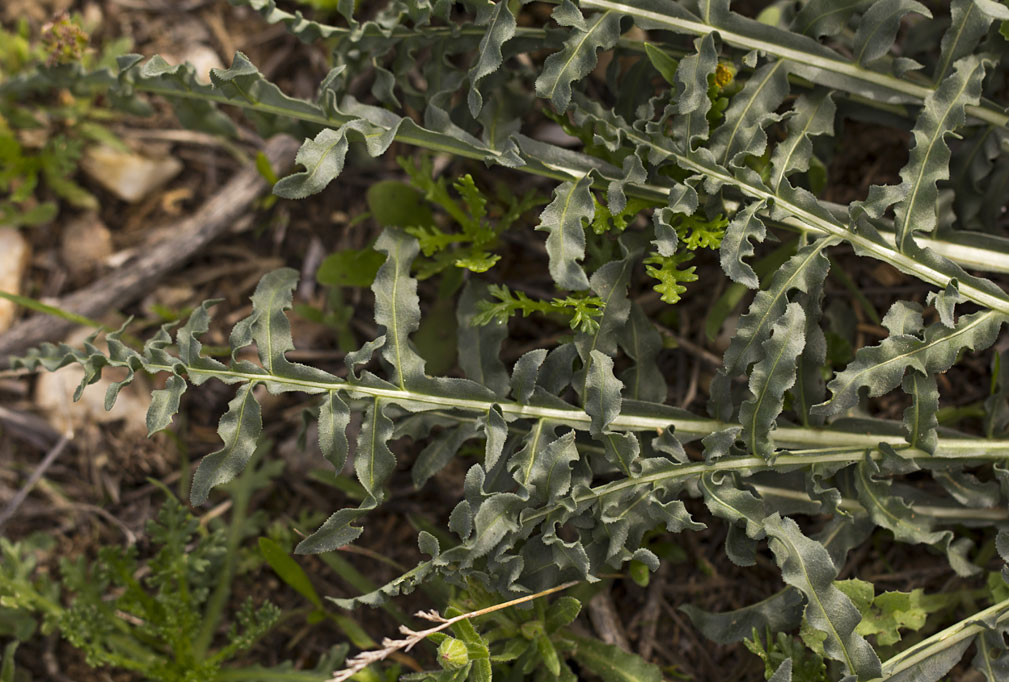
(579, 461)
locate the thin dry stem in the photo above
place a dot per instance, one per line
(391, 646)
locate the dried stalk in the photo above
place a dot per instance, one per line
(391, 646)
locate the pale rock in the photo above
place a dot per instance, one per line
(54, 397)
(92, 17)
(86, 242)
(203, 58)
(129, 176)
(15, 255)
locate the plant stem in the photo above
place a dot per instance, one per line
(800, 60)
(828, 445)
(997, 613)
(366, 658)
(219, 598)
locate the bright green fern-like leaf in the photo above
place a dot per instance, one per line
(582, 311)
(667, 270)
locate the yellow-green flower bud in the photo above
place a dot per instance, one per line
(453, 654)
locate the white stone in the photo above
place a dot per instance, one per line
(54, 396)
(203, 58)
(129, 176)
(15, 255)
(85, 244)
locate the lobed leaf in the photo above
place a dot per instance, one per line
(692, 101)
(373, 460)
(890, 511)
(814, 115)
(804, 272)
(726, 497)
(878, 28)
(749, 112)
(807, 566)
(562, 219)
(323, 156)
(239, 428)
(577, 58)
(188, 343)
(810, 387)
(334, 417)
(969, 22)
(269, 328)
(524, 375)
(916, 196)
(920, 419)
(165, 404)
(736, 246)
(501, 25)
(881, 368)
(548, 474)
(397, 306)
(769, 380)
(602, 392)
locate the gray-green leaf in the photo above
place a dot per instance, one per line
(769, 380)
(807, 566)
(239, 429)
(562, 218)
(577, 59)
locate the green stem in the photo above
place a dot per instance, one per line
(969, 627)
(818, 445)
(799, 217)
(909, 88)
(218, 599)
(676, 472)
(940, 514)
(809, 221)
(903, 88)
(576, 165)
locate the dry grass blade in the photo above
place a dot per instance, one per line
(413, 637)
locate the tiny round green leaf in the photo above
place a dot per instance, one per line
(453, 654)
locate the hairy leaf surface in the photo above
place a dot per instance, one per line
(562, 218)
(881, 368)
(807, 566)
(600, 32)
(769, 380)
(240, 428)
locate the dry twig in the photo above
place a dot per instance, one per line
(190, 236)
(391, 646)
(603, 614)
(40, 470)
